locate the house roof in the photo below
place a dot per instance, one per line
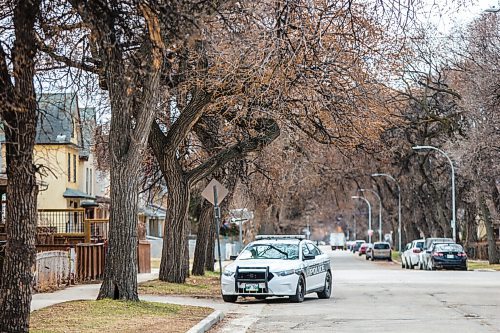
(57, 115)
(153, 211)
(72, 193)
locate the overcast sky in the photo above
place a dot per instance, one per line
(445, 18)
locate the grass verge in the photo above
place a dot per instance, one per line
(473, 264)
(116, 316)
(197, 286)
(396, 256)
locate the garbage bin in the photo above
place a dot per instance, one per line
(144, 256)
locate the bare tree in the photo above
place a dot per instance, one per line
(19, 116)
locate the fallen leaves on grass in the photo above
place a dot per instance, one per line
(196, 286)
(116, 316)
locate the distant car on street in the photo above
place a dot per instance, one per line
(357, 244)
(425, 254)
(450, 255)
(379, 250)
(362, 248)
(369, 250)
(411, 254)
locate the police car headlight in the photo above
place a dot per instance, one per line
(286, 273)
(228, 272)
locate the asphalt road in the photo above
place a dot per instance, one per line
(380, 297)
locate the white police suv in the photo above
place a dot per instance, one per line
(278, 265)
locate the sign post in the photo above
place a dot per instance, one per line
(215, 192)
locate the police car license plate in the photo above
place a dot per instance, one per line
(251, 287)
(450, 256)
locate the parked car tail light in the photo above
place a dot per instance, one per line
(416, 250)
(462, 254)
(437, 254)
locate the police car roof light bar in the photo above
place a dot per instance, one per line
(259, 237)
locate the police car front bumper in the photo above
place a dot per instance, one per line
(276, 286)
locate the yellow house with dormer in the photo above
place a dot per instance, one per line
(63, 152)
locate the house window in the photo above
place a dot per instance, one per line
(74, 168)
(87, 180)
(69, 167)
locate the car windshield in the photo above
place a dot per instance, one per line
(381, 246)
(420, 245)
(448, 248)
(270, 251)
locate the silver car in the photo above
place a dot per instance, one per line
(410, 256)
(380, 250)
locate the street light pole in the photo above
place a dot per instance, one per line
(369, 215)
(379, 211)
(399, 203)
(453, 219)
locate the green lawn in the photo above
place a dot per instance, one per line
(116, 316)
(479, 264)
(396, 256)
(201, 286)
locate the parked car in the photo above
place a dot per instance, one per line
(362, 248)
(450, 255)
(425, 254)
(278, 265)
(411, 254)
(379, 250)
(357, 245)
(369, 250)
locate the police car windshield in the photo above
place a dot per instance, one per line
(271, 251)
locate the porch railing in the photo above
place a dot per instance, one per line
(70, 222)
(62, 221)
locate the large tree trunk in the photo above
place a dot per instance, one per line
(21, 220)
(18, 110)
(210, 253)
(493, 256)
(120, 274)
(172, 266)
(203, 238)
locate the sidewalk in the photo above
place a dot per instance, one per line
(78, 292)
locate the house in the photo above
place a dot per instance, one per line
(63, 148)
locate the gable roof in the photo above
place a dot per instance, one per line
(56, 118)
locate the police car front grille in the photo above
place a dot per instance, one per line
(254, 276)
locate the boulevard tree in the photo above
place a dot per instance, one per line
(18, 111)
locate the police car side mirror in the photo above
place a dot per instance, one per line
(309, 257)
(233, 257)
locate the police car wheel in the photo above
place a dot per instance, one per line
(328, 287)
(300, 291)
(230, 298)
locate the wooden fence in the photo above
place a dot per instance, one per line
(53, 270)
(90, 261)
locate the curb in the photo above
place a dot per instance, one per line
(207, 323)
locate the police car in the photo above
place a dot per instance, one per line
(278, 266)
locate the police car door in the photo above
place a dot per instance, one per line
(317, 269)
(308, 264)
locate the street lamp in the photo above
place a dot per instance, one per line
(453, 219)
(369, 215)
(399, 202)
(493, 9)
(379, 211)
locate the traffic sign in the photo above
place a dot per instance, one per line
(208, 192)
